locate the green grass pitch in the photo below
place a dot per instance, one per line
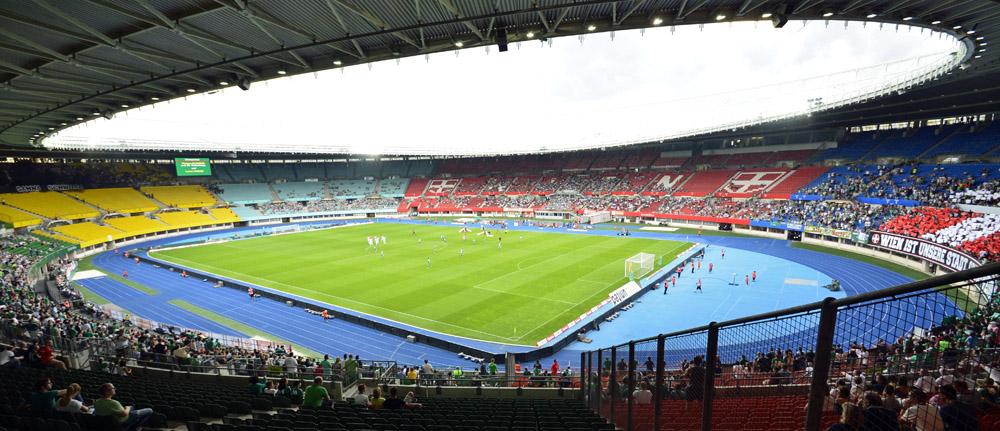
(518, 294)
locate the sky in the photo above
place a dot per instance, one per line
(602, 89)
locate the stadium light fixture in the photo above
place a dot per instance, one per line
(871, 15)
(154, 98)
(765, 15)
(530, 34)
(907, 18)
(52, 128)
(79, 118)
(827, 14)
(96, 114)
(591, 27)
(459, 44)
(936, 22)
(223, 83)
(190, 90)
(337, 62)
(971, 32)
(984, 44)
(980, 38)
(720, 17)
(62, 124)
(657, 21)
(956, 27)
(124, 105)
(978, 56)
(282, 72)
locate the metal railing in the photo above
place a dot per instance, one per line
(789, 360)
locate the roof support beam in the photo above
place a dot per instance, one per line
(545, 22)
(76, 22)
(804, 5)
(627, 13)
(46, 26)
(856, 4)
(374, 20)
(694, 8)
(749, 6)
(453, 8)
(343, 26)
(558, 21)
(251, 16)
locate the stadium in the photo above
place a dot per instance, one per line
(456, 215)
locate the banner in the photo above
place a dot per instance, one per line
(827, 231)
(63, 187)
(28, 189)
(801, 197)
(931, 252)
(773, 224)
(882, 201)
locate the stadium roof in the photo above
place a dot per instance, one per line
(64, 62)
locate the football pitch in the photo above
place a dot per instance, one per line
(515, 293)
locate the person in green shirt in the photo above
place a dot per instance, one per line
(256, 386)
(493, 367)
(351, 366)
(327, 366)
(43, 400)
(315, 394)
(128, 418)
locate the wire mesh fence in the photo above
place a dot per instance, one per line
(925, 355)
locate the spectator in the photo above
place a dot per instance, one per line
(7, 358)
(920, 415)
(393, 402)
(876, 416)
(957, 415)
(47, 358)
(68, 402)
(696, 380)
(642, 395)
(128, 418)
(376, 401)
(256, 385)
(269, 388)
(43, 400)
(315, 395)
(360, 398)
(851, 418)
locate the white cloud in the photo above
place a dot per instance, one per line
(591, 92)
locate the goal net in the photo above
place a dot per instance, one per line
(639, 265)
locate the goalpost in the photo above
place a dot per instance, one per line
(639, 265)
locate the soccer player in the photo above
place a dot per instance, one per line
(137, 261)
(250, 292)
(680, 270)
(428, 261)
(754, 276)
(381, 253)
(383, 240)
(125, 274)
(699, 264)
(692, 267)
(674, 282)
(710, 267)
(665, 282)
(697, 287)
(370, 242)
(499, 242)
(723, 253)
(748, 280)
(461, 252)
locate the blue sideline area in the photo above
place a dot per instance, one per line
(787, 276)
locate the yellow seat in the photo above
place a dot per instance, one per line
(121, 200)
(182, 196)
(53, 205)
(89, 233)
(16, 218)
(224, 215)
(136, 225)
(183, 219)
(57, 237)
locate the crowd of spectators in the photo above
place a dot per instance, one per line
(322, 206)
(925, 220)
(987, 194)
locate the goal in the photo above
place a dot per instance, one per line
(639, 265)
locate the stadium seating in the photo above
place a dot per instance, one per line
(299, 191)
(607, 161)
(16, 218)
(310, 171)
(416, 187)
(795, 156)
(976, 142)
(367, 169)
(393, 188)
(915, 143)
(339, 170)
(394, 168)
(247, 213)
(240, 172)
(421, 168)
(136, 225)
(224, 215)
(88, 233)
(185, 219)
(53, 205)
(704, 183)
(278, 171)
(470, 186)
(181, 196)
(245, 193)
(855, 147)
(118, 200)
(795, 181)
(670, 162)
(925, 220)
(521, 185)
(351, 189)
(640, 160)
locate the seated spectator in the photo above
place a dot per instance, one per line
(876, 416)
(376, 400)
(47, 358)
(269, 389)
(7, 358)
(256, 386)
(851, 418)
(68, 402)
(360, 398)
(316, 395)
(919, 415)
(642, 395)
(43, 400)
(957, 415)
(411, 401)
(128, 419)
(393, 402)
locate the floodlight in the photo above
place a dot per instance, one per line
(79, 118)
(337, 62)
(657, 21)
(936, 22)
(827, 14)
(530, 34)
(956, 27)
(720, 17)
(190, 90)
(591, 27)
(459, 44)
(871, 15)
(124, 105)
(223, 83)
(154, 98)
(765, 15)
(907, 18)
